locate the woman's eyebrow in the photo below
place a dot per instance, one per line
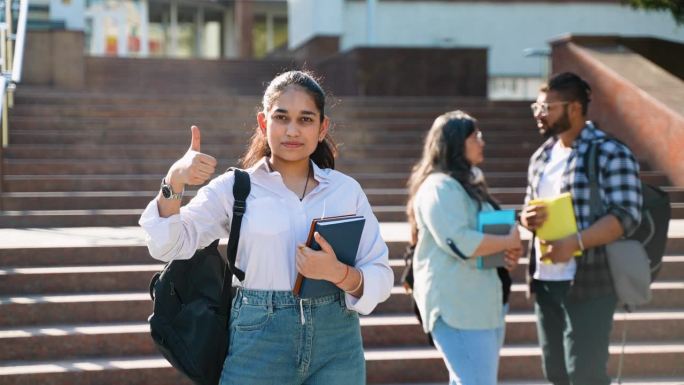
(284, 111)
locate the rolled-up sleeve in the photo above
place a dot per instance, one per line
(444, 210)
(373, 262)
(205, 218)
(622, 188)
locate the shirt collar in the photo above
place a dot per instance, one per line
(263, 167)
(589, 133)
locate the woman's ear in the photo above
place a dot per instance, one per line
(324, 129)
(261, 120)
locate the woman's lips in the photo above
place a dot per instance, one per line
(292, 144)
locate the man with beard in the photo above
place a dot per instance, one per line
(575, 300)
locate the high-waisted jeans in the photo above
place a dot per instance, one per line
(277, 338)
(471, 356)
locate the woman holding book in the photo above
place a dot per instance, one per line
(276, 336)
(459, 303)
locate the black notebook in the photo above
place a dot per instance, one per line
(344, 235)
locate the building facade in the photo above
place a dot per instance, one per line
(514, 32)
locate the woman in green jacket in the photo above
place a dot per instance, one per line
(460, 305)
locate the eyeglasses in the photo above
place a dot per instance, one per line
(478, 135)
(543, 108)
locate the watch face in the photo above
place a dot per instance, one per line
(166, 192)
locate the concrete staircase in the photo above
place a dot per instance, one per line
(75, 272)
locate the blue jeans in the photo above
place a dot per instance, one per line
(471, 356)
(277, 338)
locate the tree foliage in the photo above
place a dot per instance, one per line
(676, 7)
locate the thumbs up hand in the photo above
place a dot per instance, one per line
(194, 168)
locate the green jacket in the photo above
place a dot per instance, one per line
(445, 284)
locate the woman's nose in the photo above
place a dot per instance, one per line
(292, 129)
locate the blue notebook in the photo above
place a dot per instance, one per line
(497, 222)
(344, 235)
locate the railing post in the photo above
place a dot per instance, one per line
(2, 179)
(3, 108)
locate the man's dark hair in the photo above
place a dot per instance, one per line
(571, 87)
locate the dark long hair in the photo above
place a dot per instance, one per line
(325, 152)
(444, 151)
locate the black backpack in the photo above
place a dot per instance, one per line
(655, 216)
(192, 301)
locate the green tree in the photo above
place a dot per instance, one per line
(676, 7)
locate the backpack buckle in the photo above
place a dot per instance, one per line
(239, 208)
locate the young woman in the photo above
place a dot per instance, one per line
(460, 305)
(275, 336)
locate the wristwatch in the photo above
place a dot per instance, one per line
(167, 191)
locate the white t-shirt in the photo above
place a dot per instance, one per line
(550, 186)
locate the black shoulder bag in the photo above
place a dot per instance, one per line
(192, 301)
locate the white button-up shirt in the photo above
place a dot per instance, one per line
(274, 223)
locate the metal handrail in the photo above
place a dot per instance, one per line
(12, 61)
(12, 56)
(19, 43)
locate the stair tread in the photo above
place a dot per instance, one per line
(134, 235)
(137, 296)
(426, 352)
(372, 354)
(152, 266)
(79, 269)
(370, 320)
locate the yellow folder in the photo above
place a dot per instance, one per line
(560, 221)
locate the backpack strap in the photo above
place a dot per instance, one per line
(241, 189)
(591, 165)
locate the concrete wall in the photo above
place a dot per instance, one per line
(633, 99)
(54, 58)
(72, 12)
(310, 18)
(507, 28)
(406, 72)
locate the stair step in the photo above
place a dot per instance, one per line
(77, 279)
(147, 370)
(56, 253)
(46, 342)
(150, 182)
(87, 200)
(31, 94)
(518, 362)
(160, 167)
(132, 277)
(626, 381)
(129, 217)
(35, 309)
(245, 120)
(245, 111)
(168, 152)
(114, 245)
(383, 366)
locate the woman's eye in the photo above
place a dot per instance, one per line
(280, 117)
(307, 119)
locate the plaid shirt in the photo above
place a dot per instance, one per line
(620, 190)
